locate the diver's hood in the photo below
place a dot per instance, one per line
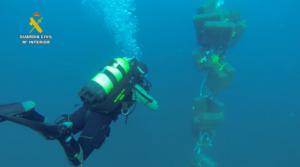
(139, 65)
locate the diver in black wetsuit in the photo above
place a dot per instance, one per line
(112, 92)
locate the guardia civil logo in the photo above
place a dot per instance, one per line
(36, 32)
(36, 24)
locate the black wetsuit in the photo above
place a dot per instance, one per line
(94, 127)
(92, 120)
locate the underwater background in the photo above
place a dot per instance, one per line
(262, 104)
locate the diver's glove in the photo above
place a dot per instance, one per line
(142, 96)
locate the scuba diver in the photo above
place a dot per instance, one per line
(217, 29)
(112, 92)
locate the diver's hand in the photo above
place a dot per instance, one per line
(142, 96)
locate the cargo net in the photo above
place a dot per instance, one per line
(120, 18)
(200, 158)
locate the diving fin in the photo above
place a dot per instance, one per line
(15, 109)
(50, 131)
(25, 115)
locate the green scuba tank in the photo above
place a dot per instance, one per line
(111, 75)
(108, 88)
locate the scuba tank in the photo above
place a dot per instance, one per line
(113, 87)
(107, 89)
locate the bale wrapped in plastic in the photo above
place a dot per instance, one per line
(211, 5)
(223, 15)
(217, 34)
(219, 78)
(218, 29)
(200, 19)
(208, 114)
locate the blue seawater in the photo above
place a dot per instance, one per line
(262, 104)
